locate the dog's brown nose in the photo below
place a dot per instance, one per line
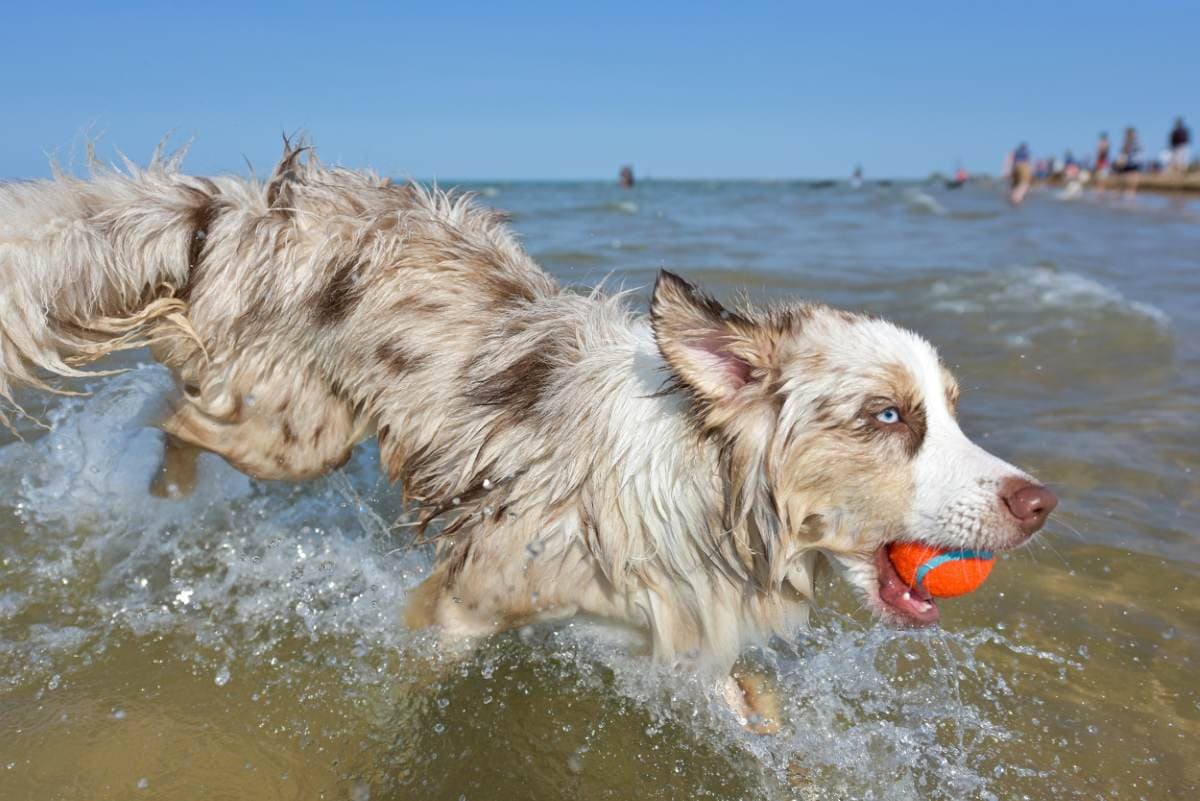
(1029, 503)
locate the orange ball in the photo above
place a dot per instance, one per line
(942, 572)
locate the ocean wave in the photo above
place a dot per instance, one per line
(920, 202)
(1040, 299)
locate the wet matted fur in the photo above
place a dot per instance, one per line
(683, 473)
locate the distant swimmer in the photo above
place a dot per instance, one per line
(626, 178)
(1022, 174)
(856, 180)
(960, 178)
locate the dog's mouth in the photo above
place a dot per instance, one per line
(901, 603)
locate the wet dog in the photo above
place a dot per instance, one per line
(684, 473)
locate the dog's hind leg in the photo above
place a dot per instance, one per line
(271, 424)
(263, 447)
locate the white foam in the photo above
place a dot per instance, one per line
(924, 202)
(1021, 291)
(254, 555)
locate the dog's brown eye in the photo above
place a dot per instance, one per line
(889, 416)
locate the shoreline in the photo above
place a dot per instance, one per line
(1168, 183)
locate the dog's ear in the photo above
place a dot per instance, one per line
(716, 352)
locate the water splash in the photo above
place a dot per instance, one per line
(305, 585)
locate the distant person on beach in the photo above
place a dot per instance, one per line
(1022, 175)
(1102, 165)
(1070, 166)
(626, 177)
(1128, 163)
(1181, 139)
(1129, 159)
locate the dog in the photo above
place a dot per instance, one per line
(684, 473)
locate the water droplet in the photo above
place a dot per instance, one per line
(487, 484)
(535, 548)
(55, 680)
(250, 400)
(455, 501)
(143, 783)
(443, 703)
(222, 677)
(118, 714)
(439, 728)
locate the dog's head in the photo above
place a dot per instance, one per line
(838, 435)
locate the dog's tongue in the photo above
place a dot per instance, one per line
(916, 606)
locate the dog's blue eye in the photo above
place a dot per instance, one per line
(889, 416)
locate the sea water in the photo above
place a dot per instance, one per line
(245, 641)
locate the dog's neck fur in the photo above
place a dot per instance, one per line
(550, 471)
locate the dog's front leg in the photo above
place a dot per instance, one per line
(176, 477)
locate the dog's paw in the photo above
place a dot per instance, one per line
(753, 702)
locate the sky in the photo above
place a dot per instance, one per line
(446, 90)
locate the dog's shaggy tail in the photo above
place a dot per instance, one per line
(91, 267)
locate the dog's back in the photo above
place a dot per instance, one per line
(294, 312)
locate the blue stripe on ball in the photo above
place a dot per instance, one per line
(948, 556)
